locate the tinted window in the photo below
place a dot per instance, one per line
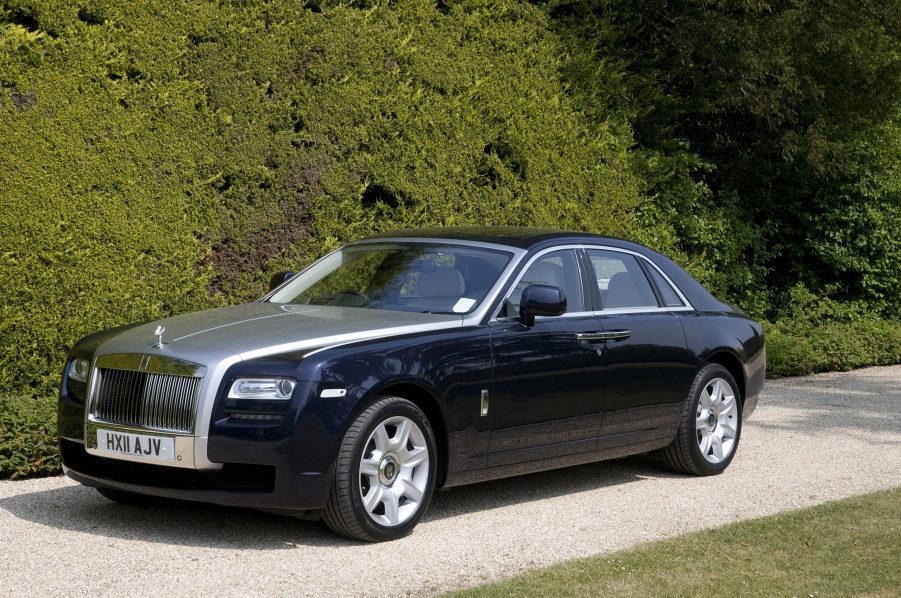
(401, 277)
(558, 269)
(621, 281)
(670, 298)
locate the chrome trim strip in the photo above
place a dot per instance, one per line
(148, 362)
(322, 343)
(640, 310)
(208, 392)
(440, 240)
(603, 336)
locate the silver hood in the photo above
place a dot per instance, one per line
(256, 329)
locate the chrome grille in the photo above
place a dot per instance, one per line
(145, 399)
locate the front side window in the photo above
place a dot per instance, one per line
(417, 277)
(621, 281)
(558, 269)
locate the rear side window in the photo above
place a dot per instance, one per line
(621, 281)
(670, 297)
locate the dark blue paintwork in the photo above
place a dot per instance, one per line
(554, 400)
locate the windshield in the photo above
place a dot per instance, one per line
(419, 277)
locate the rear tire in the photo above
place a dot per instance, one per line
(709, 427)
(384, 474)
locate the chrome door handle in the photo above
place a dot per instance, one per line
(591, 336)
(607, 335)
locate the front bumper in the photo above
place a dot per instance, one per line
(285, 466)
(264, 486)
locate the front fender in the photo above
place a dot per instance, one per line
(448, 368)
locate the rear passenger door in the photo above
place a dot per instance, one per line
(648, 368)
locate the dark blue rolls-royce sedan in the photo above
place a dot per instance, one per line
(411, 361)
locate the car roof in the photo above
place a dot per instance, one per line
(511, 236)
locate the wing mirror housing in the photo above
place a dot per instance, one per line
(541, 300)
(279, 278)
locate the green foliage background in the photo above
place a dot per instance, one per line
(158, 157)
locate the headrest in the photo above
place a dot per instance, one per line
(443, 282)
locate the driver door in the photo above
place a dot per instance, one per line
(547, 385)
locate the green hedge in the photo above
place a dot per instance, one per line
(28, 440)
(833, 346)
(162, 157)
(821, 335)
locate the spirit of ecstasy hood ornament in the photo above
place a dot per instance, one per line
(159, 337)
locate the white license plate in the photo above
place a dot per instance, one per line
(136, 445)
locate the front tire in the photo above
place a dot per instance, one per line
(710, 425)
(385, 473)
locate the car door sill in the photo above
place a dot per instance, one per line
(515, 469)
(547, 451)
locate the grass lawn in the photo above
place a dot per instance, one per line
(849, 547)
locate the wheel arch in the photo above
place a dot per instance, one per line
(428, 403)
(731, 362)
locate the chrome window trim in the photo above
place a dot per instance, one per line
(640, 310)
(440, 240)
(686, 303)
(613, 311)
(575, 314)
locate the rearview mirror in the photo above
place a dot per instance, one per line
(279, 278)
(541, 300)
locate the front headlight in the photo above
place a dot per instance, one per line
(78, 371)
(271, 389)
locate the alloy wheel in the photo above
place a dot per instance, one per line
(394, 471)
(716, 421)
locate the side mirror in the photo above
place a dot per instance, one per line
(541, 300)
(279, 278)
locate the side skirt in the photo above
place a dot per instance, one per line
(504, 471)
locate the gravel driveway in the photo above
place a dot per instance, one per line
(812, 440)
